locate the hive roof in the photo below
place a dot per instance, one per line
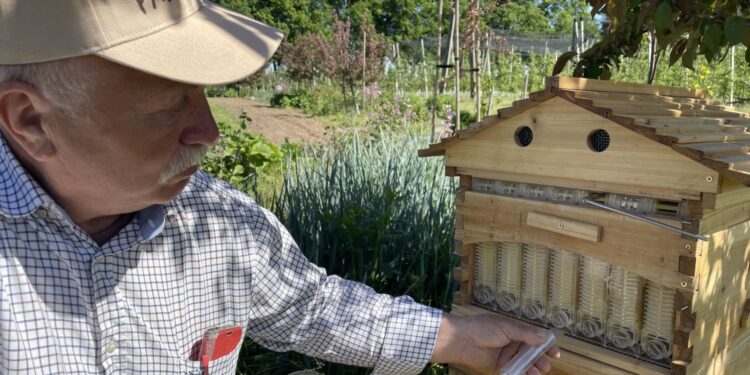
(712, 134)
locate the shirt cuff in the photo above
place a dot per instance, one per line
(409, 339)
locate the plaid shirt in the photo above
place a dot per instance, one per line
(211, 257)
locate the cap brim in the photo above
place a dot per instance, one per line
(214, 46)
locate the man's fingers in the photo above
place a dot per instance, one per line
(554, 351)
(533, 371)
(507, 352)
(543, 365)
(531, 335)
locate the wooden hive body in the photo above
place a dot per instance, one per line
(687, 156)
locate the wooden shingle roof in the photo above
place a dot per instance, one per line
(712, 134)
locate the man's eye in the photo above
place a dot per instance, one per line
(171, 114)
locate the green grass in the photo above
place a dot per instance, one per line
(222, 114)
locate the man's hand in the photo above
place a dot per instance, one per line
(486, 342)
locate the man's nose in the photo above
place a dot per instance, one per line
(202, 129)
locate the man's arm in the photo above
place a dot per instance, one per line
(486, 342)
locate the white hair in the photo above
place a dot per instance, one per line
(63, 82)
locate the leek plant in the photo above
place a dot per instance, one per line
(371, 211)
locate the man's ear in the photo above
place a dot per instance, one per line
(22, 111)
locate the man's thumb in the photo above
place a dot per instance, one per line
(529, 334)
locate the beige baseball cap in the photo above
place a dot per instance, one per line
(191, 41)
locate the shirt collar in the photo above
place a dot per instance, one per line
(20, 195)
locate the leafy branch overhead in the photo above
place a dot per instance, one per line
(685, 28)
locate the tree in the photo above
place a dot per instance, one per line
(561, 14)
(687, 28)
(396, 19)
(293, 17)
(522, 16)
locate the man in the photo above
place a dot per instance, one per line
(117, 256)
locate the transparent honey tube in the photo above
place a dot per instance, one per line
(527, 356)
(534, 281)
(592, 297)
(509, 262)
(641, 205)
(624, 299)
(485, 272)
(563, 282)
(658, 321)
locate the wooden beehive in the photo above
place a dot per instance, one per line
(525, 220)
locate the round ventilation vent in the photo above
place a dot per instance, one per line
(599, 140)
(524, 136)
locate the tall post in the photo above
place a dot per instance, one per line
(438, 62)
(478, 80)
(473, 65)
(582, 34)
(364, 68)
(396, 63)
(731, 81)
(457, 60)
(424, 67)
(449, 52)
(574, 37)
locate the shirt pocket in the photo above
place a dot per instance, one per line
(226, 365)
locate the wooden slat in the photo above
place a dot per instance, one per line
(710, 137)
(644, 249)
(687, 129)
(656, 120)
(611, 86)
(567, 227)
(717, 149)
(645, 103)
(734, 161)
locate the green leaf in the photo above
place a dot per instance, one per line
(747, 55)
(238, 170)
(688, 58)
(561, 61)
(663, 17)
(712, 39)
(677, 51)
(734, 29)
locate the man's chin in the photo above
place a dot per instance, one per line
(166, 191)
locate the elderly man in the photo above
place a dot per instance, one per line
(117, 256)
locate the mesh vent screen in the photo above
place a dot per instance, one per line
(524, 136)
(599, 140)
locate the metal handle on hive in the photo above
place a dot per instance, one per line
(645, 219)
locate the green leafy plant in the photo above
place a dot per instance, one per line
(240, 157)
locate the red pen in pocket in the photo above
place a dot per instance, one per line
(218, 342)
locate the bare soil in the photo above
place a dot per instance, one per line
(276, 124)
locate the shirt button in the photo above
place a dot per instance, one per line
(111, 346)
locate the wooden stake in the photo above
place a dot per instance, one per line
(457, 59)
(364, 67)
(424, 68)
(438, 60)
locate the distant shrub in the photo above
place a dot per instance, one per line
(296, 98)
(221, 92)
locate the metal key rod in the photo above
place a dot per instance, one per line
(645, 219)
